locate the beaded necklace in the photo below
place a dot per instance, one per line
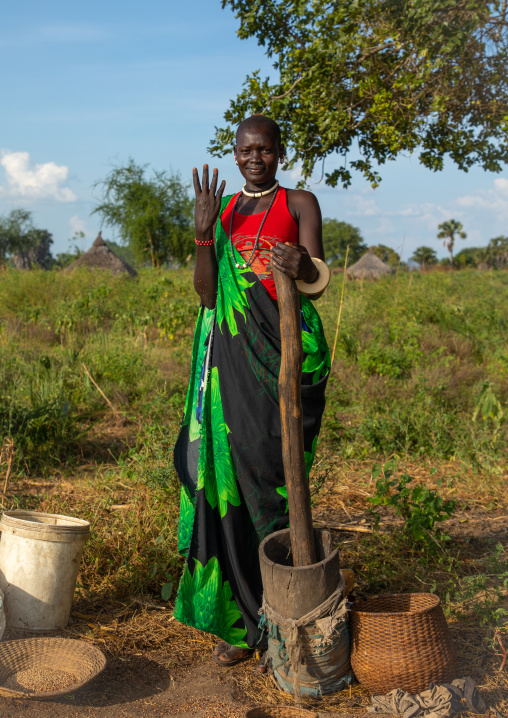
(248, 261)
(260, 194)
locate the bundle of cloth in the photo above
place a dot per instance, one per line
(437, 702)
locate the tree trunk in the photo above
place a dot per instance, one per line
(450, 250)
(290, 377)
(154, 264)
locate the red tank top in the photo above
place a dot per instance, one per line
(279, 226)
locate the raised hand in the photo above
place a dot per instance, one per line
(294, 260)
(208, 199)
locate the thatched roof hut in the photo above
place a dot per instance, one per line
(369, 266)
(100, 256)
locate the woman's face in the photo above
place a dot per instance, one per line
(258, 154)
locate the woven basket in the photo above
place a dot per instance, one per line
(401, 641)
(279, 712)
(58, 654)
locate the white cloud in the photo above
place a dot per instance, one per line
(385, 227)
(65, 33)
(362, 206)
(77, 224)
(426, 213)
(40, 181)
(501, 184)
(494, 200)
(74, 32)
(295, 174)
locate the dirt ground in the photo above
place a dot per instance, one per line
(153, 685)
(142, 686)
(159, 668)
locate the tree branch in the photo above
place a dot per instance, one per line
(281, 97)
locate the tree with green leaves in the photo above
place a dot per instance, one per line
(496, 252)
(370, 80)
(337, 236)
(15, 231)
(386, 254)
(424, 257)
(153, 215)
(35, 250)
(447, 232)
(469, 257)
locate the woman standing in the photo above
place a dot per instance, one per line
(229, 455)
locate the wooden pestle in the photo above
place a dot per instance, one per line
(290, 377)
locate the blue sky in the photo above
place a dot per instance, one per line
(85, 86)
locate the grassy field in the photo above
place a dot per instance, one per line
(93, 373)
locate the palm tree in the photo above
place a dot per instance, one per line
(496, 253)
(424, 257)
(447, 233)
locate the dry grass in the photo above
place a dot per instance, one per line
(142, 628)
(114, 474)
(139, 624)
(138, 627)
(476, 658)
(453, 478)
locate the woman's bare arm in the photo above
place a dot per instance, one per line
(295, 260)
(206, 212)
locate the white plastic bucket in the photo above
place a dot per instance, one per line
(39, 564)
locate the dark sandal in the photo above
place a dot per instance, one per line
(246, 652)
(221, 647)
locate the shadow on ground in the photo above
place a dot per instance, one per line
(124, 680)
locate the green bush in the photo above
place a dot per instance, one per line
(420, 369)
(412, 356)
(392, 351)
(42, 432)
(420, 508)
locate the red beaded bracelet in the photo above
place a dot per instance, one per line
(205, 243)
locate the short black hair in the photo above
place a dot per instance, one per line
(260, 122)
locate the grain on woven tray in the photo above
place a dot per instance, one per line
(39, 680)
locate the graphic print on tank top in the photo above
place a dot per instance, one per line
(279, 226)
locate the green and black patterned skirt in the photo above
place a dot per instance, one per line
(229, 456)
